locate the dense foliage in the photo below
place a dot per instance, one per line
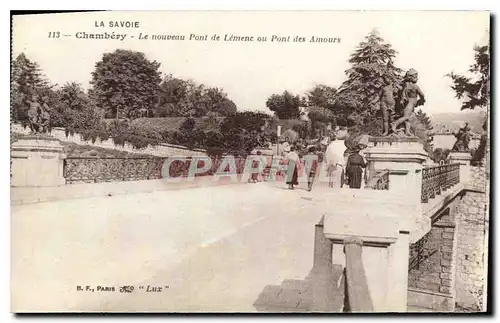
(357, 100)
(180, 98)
(126, 87)
(125, 84)
(26, 80)
(475, 90)
(285, 105)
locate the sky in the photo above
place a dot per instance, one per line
(432, 42)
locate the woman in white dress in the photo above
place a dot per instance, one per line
(334, 162)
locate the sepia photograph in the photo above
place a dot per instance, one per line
(250, 162)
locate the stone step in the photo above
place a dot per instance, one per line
(291, 296)
(295, 295)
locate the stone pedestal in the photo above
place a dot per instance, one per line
(385, 251)
(403, 157)
(462, 158)
(37, 161)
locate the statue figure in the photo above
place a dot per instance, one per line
(45, 116)
(38, 115)
(387, 103)
(411, 97)
(463, 139)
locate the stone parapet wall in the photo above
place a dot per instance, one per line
(478, 178)
(472, 227)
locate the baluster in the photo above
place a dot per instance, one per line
(424, 195)
(451, 175)
(444, 187)
(448, 177)
(450, 182)
(432, 183)
(438, 180)
(443, 178)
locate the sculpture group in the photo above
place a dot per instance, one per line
(38, 115)
(406, 97)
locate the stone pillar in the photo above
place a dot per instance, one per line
(462, 158)
(37, 161)
(403, 157)
(323, 284)
(384, 254)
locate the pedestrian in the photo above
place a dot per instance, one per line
(312, 159)
(292, 175)
(334, 162)
(256, 165)
(354, 168)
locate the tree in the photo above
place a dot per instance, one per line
(320, 118)
(285, 105)
(171, 98)
(321, 96)
(479, 154)
(27, 80)
(242, 132)
(422, 132)
(424, 119)
(214, 100)
(180, 98)
(76, 112)
(357, 99)
(422, 126)
(125, 84)
(475, 90)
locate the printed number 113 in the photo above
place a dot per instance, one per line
(54, 34)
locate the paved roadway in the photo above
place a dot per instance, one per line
(215, 247)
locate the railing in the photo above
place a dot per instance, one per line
(380, 181)
(357, 295)
(419, 252)
(437, 179)
(95, 170)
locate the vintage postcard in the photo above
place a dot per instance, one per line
(250, 161)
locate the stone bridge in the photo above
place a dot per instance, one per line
(417, 241)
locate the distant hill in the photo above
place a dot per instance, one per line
(451, 122)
